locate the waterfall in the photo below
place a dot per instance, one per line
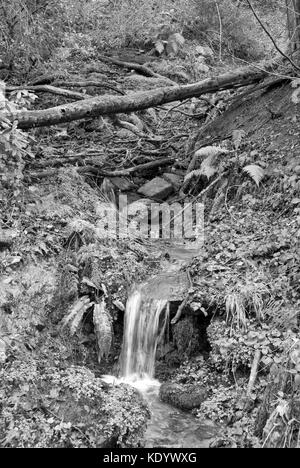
(145, 322)
(146, 319)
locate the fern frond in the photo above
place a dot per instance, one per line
(192, 174)
(210, 151)
(74, 318)
(86, 252)
(208, 167)
(103, 329)
(255, 172)
(237, 137)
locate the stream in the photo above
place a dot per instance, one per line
(146, 319)
(170, 427)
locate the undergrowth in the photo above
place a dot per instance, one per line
(32, 30)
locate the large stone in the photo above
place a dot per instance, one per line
(65, 408)
(171, 286)
(173, 179)
(122, 183)
(185, 397)
(157, 188)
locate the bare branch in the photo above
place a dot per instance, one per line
(271, 37)
(220, 29)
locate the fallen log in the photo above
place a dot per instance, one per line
(79, 159)
(108, 104)
(88, 83)
(142, 69)
(44, 80)
(103, 173)
(48, 89)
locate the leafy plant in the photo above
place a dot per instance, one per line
(101, 319)
(103, 329)
(14, 143)
(29, 32)
(234, 351)
(255, 172)
(244, 300)
(295, 94)
(74, 318)
(210, 159)
(237, 137)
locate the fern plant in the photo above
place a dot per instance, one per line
(102, 323)
(214, 164)
(209, 155)
(255, 172)
(75, 316)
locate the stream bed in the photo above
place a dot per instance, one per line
(169, 427)
(146, 319)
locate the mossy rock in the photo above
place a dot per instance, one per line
(186, 338)
(185, 397)
(57, 408)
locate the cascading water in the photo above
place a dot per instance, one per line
(145, 323)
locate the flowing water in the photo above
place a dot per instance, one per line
(146, 318)
(143, 318)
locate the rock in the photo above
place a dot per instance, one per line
(173, 179)
(205, 51)
(5, 243)
(186, 337)
(185, 397)
(157, 188)
(171, 286)
(122, 183)
(65, 408)
(7, 237)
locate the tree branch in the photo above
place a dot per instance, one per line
(271, 37)
(103, 173)
(49, 89)
(88, 83)
(135, 66)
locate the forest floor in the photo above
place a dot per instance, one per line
(245, 283)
